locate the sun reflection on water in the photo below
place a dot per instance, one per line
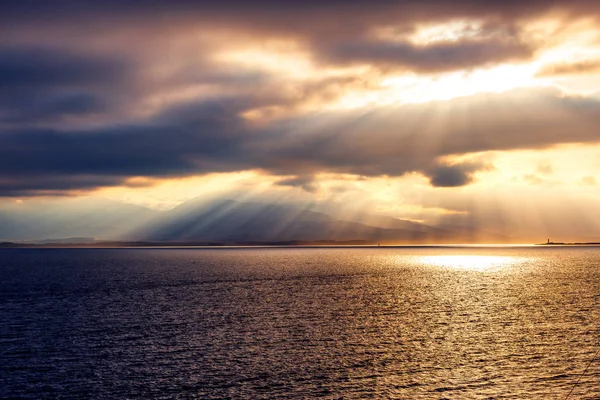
(470, 262)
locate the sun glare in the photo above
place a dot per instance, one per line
(470, 262)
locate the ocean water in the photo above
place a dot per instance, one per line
(279, 323)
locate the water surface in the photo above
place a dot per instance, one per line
(405, 323)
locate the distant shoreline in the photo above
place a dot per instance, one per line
(142, 244)
(569, 244)
(283, 244)
(99, 244)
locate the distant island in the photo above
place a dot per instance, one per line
(549, 243)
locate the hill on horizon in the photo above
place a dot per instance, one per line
(215, 220)
(233, 221)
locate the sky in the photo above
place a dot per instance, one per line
(437, 111)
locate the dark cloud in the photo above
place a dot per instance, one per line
(47, 67)
(54, 185)
(210, 136)
(336, 31)
(174, 143)
(39, 84)
(436, 57)
(284, 10)
(40, 106)
(313, 20)
(198, 138)
(452, 175)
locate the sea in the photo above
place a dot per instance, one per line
(464, 322)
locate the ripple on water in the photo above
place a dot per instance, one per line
(460, 323)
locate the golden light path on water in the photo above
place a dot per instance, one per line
(471, 262)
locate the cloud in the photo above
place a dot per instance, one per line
(286, 12)
(305, 182)
(577, 68)
(49, 106)
(42, 83)
(533, 179)
(93, 94)
(545, 169)
(73, 60)
(211, 136)
(34, 67)
(588, 181)
(452, 175)
(340, 32)
(437, 57)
